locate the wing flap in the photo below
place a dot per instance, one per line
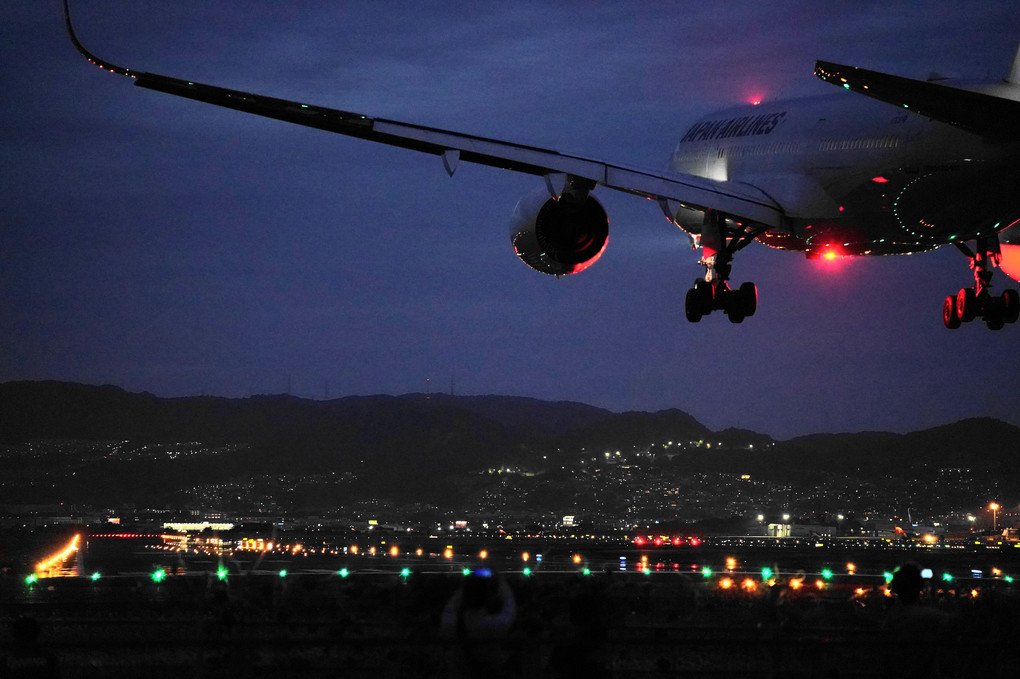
(993, 118)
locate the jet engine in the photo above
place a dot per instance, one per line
(1010, 239)
(559, 235)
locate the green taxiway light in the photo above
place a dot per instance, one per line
(526, 571)
(221, 573)
(827, 574)
(159, 576)
(466, 571)
(1008, 578)
(706, 572)
(888, 576)
(95, 576)
(586, 571)
(766, 573)
(343, 572)
(948, 577)
(30, 580)
(405, 573)
(283, 573)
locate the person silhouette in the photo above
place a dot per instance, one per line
(915, 633)
(479, 615)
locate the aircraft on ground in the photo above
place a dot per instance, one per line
(908, 167)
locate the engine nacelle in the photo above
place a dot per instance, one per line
(559, 236)
(1010, 261)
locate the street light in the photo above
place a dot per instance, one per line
(995, 508)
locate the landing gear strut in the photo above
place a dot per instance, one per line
(713, 292)
(979, 302)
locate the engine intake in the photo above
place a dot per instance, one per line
(559, 236)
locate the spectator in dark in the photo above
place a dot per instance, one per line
(479, 616)
(26, 658)
(915, 633)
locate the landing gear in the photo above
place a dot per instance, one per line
(979, 302)
(712, 292)
(704, 298)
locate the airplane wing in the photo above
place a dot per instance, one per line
(672, 190)
(994, 118)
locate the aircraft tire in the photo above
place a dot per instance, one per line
(1010, 305)
(966, 304)
(748, 298)
(949, 317)
(692, 307)
(704, 294)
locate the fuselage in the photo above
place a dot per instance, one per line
(857, 175)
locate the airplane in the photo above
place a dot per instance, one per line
(909, 166)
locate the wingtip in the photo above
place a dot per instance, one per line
(106, 66)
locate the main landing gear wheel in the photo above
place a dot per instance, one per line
(719, 240)
(967, 305)
(704, 298)
(949, 315)
(978, 302)
(700, 300)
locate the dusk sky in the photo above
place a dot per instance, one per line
(170, 246)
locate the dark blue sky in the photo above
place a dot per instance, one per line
(170, 246)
